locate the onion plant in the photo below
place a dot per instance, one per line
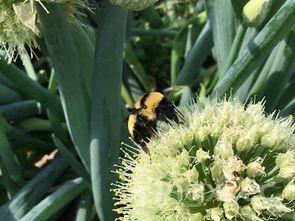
(69, 71)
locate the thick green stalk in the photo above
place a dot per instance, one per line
(56, 201)
(5, 81)
(10, 186)
(19, 139)
(28, 65)
(32, 192)
(258, 87)
(26, 85)
(35, 124)
(197, 55)
(186, 97)
(241, 91)
(257, 49)
(72, 161)
(56, 122)
(177, 53)
(289, 109)
(9, 159)
(20, 109)
(65, 60)
(85, 49)
(223, 21)
(84, 207)
(280, 73)
(106, 103)
(179, 44)
(236, 46)
(126, 95)
(8, 95)
(287, 96)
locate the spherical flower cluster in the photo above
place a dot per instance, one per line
(223, 162)
(19, 23)
(135, 5)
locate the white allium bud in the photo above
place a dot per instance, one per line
(269, 140)
(245, 142)
(231, 209)
(227, 192)
(249, 187)
(273, 205)
(231, 167)
(286, 163)
(196, 217)
(202, 155)
(224, 149)
(215, 214)
(255, 11)
(248, 214)
(255, 168)
(197, 192)
(192, 175)
(289, 191)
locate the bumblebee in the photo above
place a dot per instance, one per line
(148, 109)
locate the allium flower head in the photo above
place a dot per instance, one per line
(14, 31)
(224, 162)
(19, 23)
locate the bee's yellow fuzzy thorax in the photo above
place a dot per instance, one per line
(151, 103)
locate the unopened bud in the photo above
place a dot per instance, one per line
(255, 11)
(289, 191)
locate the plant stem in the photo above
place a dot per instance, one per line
(106, 103)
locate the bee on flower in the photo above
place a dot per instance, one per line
(224, 162)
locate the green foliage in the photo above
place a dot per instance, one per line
(71, 93)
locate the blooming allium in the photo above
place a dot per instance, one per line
(224, 162)
(19, 23)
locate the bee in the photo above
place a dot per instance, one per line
(148, 109)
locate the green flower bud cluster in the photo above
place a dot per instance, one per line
(19, 23)
(224, 162)
(135, 5)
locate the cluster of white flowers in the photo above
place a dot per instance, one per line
(224, 162)
(19, 23)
